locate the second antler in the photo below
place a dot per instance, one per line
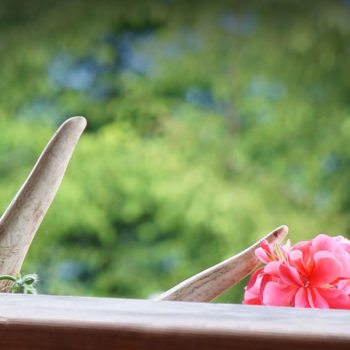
(210, 283)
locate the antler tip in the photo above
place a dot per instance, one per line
(284, 228)
(277, 235)
(78, 121)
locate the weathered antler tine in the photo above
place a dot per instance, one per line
(22, 218)
(210, 283)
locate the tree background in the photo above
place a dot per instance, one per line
(209, 124)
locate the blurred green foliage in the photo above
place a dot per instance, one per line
(210, 123)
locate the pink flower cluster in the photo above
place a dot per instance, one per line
(311, 274)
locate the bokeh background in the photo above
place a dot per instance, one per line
(210, 123)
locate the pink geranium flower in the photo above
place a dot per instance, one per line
(311, 274)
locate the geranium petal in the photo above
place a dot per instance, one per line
(337, 299)
(323, 242)
(316, 300)
(276, 294)
(272, 268)
(253, 278)
(301, 299)
(261, 254)
(344, 285)
(252, 290)
(253, 300)
(344, 259)
(252, 297)
(345, 243)
(289, 275)
(327, 269)
(264, 280)
(296, 260)
(306, 248)
(266, 246)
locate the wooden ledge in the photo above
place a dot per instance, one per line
(57, 322)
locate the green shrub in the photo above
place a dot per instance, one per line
(209, 125)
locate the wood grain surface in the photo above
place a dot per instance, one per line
(52, 322)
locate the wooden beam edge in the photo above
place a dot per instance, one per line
(51, 322)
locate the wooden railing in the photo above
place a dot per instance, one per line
(57, 322)
(49, 322)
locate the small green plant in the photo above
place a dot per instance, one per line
(25, 284)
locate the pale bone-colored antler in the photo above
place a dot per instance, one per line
(22, 218)
(210, 283)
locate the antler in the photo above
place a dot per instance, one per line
(210, 283)
(22, 218)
